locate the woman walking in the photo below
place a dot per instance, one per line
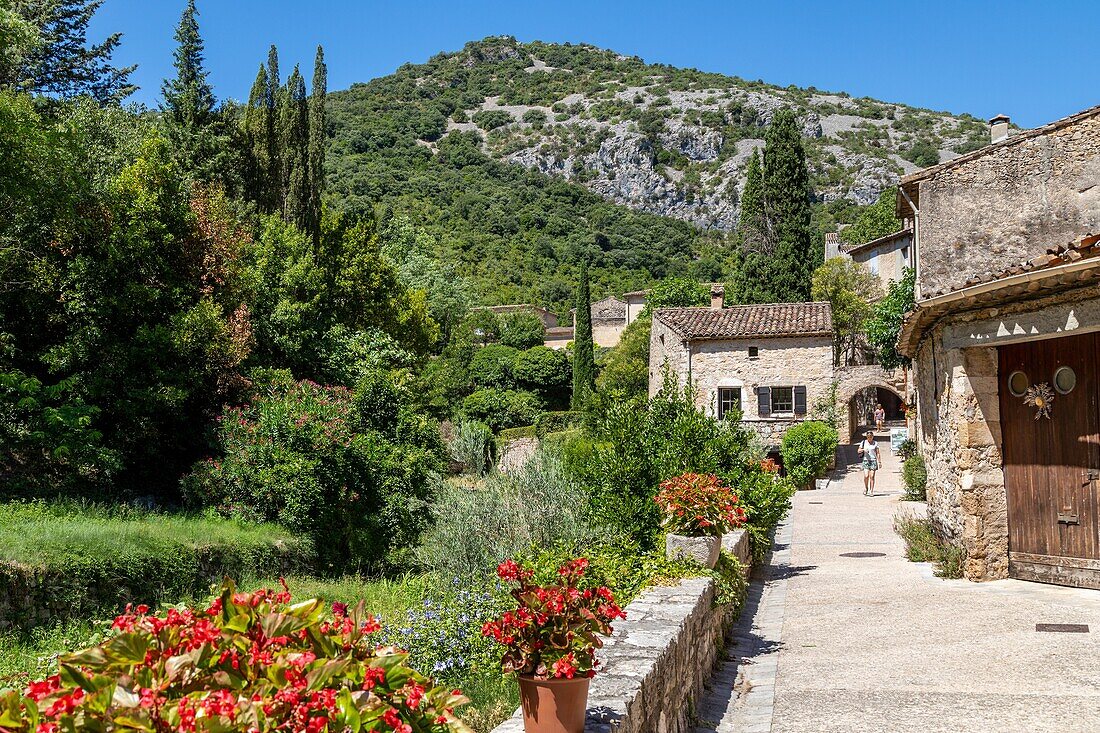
(880, 417)
(869, 449)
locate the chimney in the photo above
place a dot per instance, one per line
(998, 128)
(717, 297)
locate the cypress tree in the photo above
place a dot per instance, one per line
(256, 117)
(317, 99)
(584, 358)
(188, 106)
(787, 210)
(776, 253)
(294, 124)
(272, 132)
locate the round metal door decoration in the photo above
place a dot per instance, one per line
(1041, 397)
(1065, 379)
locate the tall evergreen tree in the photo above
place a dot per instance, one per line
(777, 255)
(188, 106)
(59, 62)
(584, 357)
(317, 100)
(787, 210)
(255, 123)
(294, 128)
(274, 170)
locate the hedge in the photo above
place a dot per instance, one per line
(509, 434)
(557, 422)
(807, 450)
(72, 562)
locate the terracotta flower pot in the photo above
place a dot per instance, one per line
(704, 550)
(553, 706)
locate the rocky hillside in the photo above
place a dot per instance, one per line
(659, 139)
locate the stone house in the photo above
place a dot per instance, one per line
(1005, 342)
(772, 363)
(886, 257)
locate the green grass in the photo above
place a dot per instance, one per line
(922, 545)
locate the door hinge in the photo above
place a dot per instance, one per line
(1067, 518)
(1091, 475)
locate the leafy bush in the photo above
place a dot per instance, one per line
(491, 366)
(807, 450)
(922, 153)
(327, 463)
(535, 117)
(555, 422)
(915, 476)
(69, 560)
(907, 449)
(546, 372)
(923, 545)
(474, 529)
(625, 370)
(887, 314)
(509, 434)
(767, 498)
(472, 446)
(490, 119)
(522, 331)
(502, 408)
(303, 669)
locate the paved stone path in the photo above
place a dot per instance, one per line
(829, 643)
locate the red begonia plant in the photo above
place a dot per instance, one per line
(697, 504)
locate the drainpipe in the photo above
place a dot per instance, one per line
(916, 240)
(687, 345)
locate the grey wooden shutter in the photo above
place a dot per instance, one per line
(764, 401)
(800, 400)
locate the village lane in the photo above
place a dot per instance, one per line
(831, 642)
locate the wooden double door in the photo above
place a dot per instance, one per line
(1052, 464)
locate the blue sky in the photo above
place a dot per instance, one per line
(1035, 61)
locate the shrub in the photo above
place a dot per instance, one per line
(907, 449)
(502, 408)
(807, 450)
(698, 505)
(546, 372)
(509, 434)
(522, 331)
(556, 422)
(535, 117)
(302, 668)
(923, 545)
(915, 476)
(490, 119)
(327, 463)
(767, 498)
(474, 529)
(491, 366)
(555, 630)
(472, 446)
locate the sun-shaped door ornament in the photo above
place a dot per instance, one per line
(1041, 397)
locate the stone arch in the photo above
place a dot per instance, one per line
(854, 379)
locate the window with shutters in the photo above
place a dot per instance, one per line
(729, 401)
(782, 399)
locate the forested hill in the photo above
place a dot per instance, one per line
(657, 139)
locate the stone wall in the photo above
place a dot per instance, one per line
(781, 362)
(655, 664)
(959, 427)
(515, 454)
(1010, 204)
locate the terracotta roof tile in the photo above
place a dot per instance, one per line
(748, 321)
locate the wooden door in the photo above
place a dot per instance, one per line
(1051, 464)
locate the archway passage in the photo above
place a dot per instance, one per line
(861, 409)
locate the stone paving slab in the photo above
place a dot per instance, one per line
(881, 644)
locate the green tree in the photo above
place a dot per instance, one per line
(273, 200)
(676, 292)
(625, 369)
(44, 50)
(874, 221)
(522, 331)
(777, 254)
(546, 372)
(492, 366)
(584, 357)
(190, 119)
(317, 139)
(887, 315)
(257, 182)
(294, 133)
(849, 288)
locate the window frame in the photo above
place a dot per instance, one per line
(783, 412)
(739, 405)
(754, 352)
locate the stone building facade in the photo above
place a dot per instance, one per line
(771, 362)
(1008, 264)
(886, 257)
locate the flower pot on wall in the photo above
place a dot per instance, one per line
(553, 706)
(704, 550)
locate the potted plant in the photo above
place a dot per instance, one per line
(550, 642)
(698, 509)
